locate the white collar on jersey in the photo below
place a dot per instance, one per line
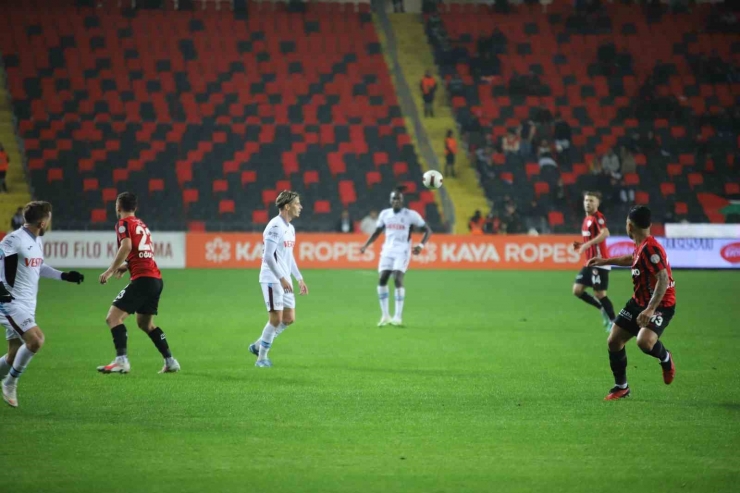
(33, 236)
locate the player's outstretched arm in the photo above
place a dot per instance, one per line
(123, 252)
(51, 273)
(371, 240)
(624, 261)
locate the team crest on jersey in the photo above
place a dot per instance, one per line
(121, 229)
(655, 258)
(601, 221)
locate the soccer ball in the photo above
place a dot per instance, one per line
(432, 179)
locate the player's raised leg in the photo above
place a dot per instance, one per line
(158, 338)
(579, 292)
(33, 340)
(618, 337)
(649, 342)
(383, 295)
(400, 297)
(6, 360)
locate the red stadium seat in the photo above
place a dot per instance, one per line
(555, 218)
(260, 217)
(269, 196)
(248, 177)
(541, 188)
(642, 198)
(732, 188)
(321, 207)
(681, 208)
(226, 206)
(400, 169)
(89, 184)
(156, 185)
(695, 179)
(667, 189)
(220, 186)
(54, 174)
(99, 216)
(532, 169)
(632, 179)
(373, 178)
(310, 178)
(189, 196)
(109, 195)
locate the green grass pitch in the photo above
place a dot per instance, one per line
(495, 385)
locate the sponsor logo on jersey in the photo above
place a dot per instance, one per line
(625, 314)
(397, 226)
(622, 248)
(33, 262)
(289, 244)
(731, 253)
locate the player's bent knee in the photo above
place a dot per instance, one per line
(600, 294)
(34, 340)
(646, 343)
(577, 289)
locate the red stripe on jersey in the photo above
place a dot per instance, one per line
(593, 224)
(649, 259)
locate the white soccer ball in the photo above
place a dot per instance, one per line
(432, 179)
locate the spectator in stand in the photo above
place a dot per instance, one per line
(629, 165)
(511, 142)
(428, 86)
(559, 194)
(562, 134)
(492, 225)
(526, 132)
(626, 193)
(450, 154)
(544, 155)
(512, 222)
(534, 218)
(4, 160)
(475, 225)
(16, 222)
(345, 223)
(398, 7)
(610, 162)
(369, 223)
(595, 166)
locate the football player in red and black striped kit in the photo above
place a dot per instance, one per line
(650, 309)
(141, 296)
(595, 233)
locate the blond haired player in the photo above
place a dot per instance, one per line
(278, 264)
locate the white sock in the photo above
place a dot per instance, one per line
(400, 296)
(22, 358)
(383, 297)
(667, 357)
(121, 359)
(622, 386)
(280, 329)
(268, 334)
(4, 366)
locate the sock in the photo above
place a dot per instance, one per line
(400, 296)
(606, 303)
(618, 363)
(160, 341)
(268, 334)
(591, 300)
(383, 297)
(280, 329)
(4, 366)
(660, 352)
(120, 339)
(22, 358)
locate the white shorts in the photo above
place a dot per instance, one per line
(395, 260)
(275, 298)
(17, 319)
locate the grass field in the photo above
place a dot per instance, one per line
(496, 384)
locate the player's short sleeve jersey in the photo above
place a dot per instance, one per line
(648, 259)
(397, 226)
(590, 229)
(282, 233)
(140, 260)
(22, 258)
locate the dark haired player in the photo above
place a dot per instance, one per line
(22, 263)
(278, 263)
(594, 233)
(651, 308)
(397, 222)
(141, 296)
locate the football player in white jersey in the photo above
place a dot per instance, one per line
(278, 263)
(398, 223)
(21, 265)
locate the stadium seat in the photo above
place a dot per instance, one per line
(642, 198)
(373, 178)
(156, 185)
(90, 184)
(226, 206)
(555, 218)
(681, 208)
(732, 188)
(220, 186)
(109, 195)
(632, 179)
(260, 217)
(189, 196)
(99, 216)
(310, 178)
(532, 169)
(400, 169)
(541, 188)
(667, 189)
(322, 207)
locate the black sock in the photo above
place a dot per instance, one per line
(120, 339)
(659, 351)
(160, 341)
(618, 363)
(590, 300)
(608, 307)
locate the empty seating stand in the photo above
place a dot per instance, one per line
(204, 112)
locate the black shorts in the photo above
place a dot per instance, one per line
(450, 158)
(140, 296)
(627, 318)
(598, 279)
